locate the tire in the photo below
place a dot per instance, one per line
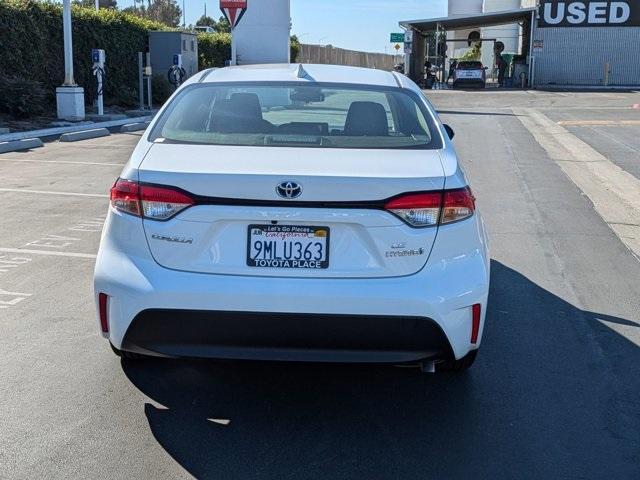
(126, 355)
(458, 366)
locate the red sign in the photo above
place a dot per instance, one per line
(233, 10)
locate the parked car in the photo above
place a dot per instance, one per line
(335, 224)
(204, 29)
(470, 73)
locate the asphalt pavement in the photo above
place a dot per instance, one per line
(554, 392)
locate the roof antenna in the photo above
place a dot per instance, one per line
(302, 73)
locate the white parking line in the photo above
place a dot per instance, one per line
(614, 192)
(49, 253)
(47, 192)
(60, 161)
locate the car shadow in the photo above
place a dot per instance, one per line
(553, 394)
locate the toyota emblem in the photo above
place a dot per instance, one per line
(289, 189)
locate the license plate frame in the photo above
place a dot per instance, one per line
(279, 260)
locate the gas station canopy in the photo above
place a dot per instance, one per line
(456, 22)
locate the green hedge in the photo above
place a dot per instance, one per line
(32, 50)
(215, 48)
(32, 46)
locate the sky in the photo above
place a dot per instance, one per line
(353, 24)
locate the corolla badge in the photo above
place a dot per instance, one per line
(288, 189)
(173, 239)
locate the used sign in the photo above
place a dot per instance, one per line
(589, 13)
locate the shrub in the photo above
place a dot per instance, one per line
(213, 49)
(31, 34)
(22, 98)
(295, 48)
(160, 89)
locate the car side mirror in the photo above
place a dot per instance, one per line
(450, 131)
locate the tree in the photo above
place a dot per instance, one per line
(112, 4)
(223, 26)
(163, 11)
(206, 21)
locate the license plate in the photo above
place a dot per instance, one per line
(288, 246)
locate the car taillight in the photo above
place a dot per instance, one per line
(433, 208)
(154, 202)
(125, 196)
(457, 205)
(418, 209)
(161, 203)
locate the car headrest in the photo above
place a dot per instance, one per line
(246, 105)
(366, 119)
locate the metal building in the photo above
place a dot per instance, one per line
(566, 43)
(595, 46)
(163, 45)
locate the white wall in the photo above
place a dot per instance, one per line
(262, 36)
(461, 7)
(507, 34)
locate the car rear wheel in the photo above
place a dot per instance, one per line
(126, 355)
(458, 366)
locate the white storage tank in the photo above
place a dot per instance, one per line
(263, 34)
(461, 7)
(507, 34)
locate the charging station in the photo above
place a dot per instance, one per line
(98, 58)
(176, 73)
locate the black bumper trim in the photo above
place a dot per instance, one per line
(285, 336)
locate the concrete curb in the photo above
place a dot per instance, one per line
(134, 127)
(55, 132)
(16, 145)
(85, 135)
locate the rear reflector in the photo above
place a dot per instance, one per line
(433, 208)
(475, 322)
(155, 202)
(103, 308)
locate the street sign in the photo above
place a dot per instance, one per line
(233, 10)
(397, 38)
(408, 36)
(397, 46)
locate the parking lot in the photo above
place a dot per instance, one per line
(554, 393)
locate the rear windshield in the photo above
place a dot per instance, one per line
(469, 65)
(300, 115)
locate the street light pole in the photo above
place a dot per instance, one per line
(69, 81)
(69, 96)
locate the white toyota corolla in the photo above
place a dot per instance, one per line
(295, 212)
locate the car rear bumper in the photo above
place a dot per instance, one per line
(176, 313)
(285, 336)
(476, 82)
